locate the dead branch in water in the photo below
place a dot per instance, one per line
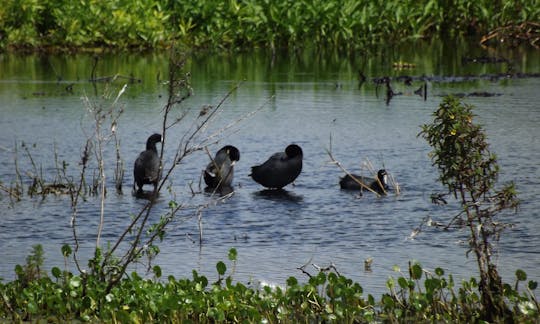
(513, 35)
(369, 166)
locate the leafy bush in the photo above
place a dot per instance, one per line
(470, 171)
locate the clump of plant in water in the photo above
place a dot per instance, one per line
(470, 171)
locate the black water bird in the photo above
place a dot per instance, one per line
(380, 186)
(220, 171)
(422, 91)
(280, 169)
(146, 167)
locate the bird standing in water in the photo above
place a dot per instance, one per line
(146, 167)
(280, 169)
(220, 171)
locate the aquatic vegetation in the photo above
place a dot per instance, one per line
(417, 295)
(345, 24)
(469, 171)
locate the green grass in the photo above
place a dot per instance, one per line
(346, 24)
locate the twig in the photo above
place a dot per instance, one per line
(336, 162)
(11, 192)
(303, 268)
(331, 266)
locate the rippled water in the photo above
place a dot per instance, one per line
(310, 100)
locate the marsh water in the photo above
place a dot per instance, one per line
(313, 99)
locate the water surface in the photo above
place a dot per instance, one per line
(311, 99)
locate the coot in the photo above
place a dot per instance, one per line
(280, 169)
(146, 168)
(347, 182)
(220, 171)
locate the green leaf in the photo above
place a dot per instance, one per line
(403, 283)
(521, 275)
(416, 271)
(390, 283)
(32, 307)
(232, 254)
(388, 301)
(75, 282)
(66, 250)
(56, 272)
(157, 271)
(221, 268)
(533, 285)
(292, 281)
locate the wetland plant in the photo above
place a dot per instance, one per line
(345, 24)
(469, 171)
(416, 295)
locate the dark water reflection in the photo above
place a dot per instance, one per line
(305, 99)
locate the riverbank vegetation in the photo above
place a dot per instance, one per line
(416, 295)
(345, 24)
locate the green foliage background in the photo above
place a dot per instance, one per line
(347, 24)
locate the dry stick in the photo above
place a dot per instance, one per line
(101, 170)
(395, 185)
(375, 174)
(237, 121)
(331, 266)
(186, 150)
(119, 171)
(205, 121)
(218, 171)
(35, 176)
(126, 232)
(101, 164)
(180, 154)
(74, 203)
(19, 182)
(183, 148)
(336, 162)
(208, 140)
(221, 131)
(132, 253)
(58, 176)
(303, 267)
(10, 192)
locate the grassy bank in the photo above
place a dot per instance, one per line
(347, 24)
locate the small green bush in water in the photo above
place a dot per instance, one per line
(470, 171)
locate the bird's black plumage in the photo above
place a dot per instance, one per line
(280, 169)
(219, 172)
(146, 167)
(347, 182)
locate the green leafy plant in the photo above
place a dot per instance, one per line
(417, 295)
(342, 24)
(470, 171)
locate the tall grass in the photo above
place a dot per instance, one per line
(347, 24)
